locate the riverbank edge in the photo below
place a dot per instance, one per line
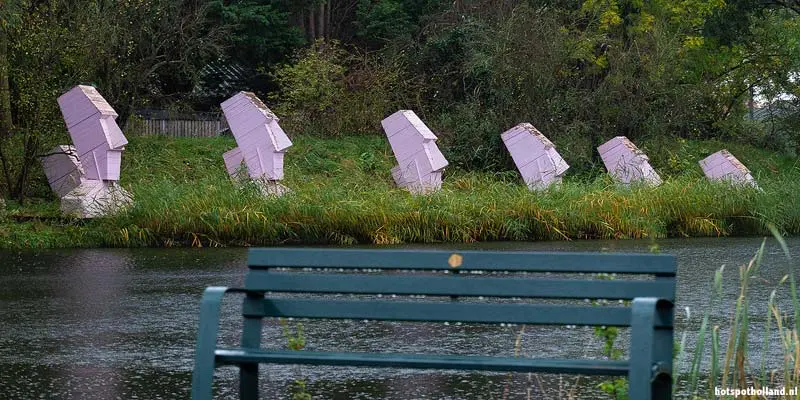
(225, 216)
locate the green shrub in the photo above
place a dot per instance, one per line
(310, 87)
(329, 91)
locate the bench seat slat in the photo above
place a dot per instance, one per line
(423, 361)
(455, 285)
(470, 260)
(421, 311)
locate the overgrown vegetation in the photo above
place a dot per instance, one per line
(582, 72)
(342, 194)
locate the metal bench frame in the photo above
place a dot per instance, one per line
(649, 315)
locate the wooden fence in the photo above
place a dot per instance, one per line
(156, 122)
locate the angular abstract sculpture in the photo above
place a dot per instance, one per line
(261, 143)
(91, 123)
(85, 176)
(626, 163)
(723, 166)
(535, 156)
(419, 161)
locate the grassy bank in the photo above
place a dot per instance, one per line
(342, 193)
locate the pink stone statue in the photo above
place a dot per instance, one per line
(626, 163)
(261, 142)
(85, 176)
(91, 123)
(723, 166)
(420, 163)
(535, 156)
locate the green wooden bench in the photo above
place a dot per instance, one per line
(272, 271)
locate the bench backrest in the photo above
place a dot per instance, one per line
(455, 285)
(355, 273)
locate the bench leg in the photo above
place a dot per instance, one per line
(251, 338)
(650, 374)
(203, 373)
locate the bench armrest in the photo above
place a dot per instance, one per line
(650, 374)
(208, 329)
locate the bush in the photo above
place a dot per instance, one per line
(329, 91)
(311, 85)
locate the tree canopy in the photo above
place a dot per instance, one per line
(580, 71)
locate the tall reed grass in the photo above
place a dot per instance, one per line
(342, 193)
(731, 364)
(471, 207)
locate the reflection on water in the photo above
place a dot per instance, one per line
(90, 294)
(107, 324)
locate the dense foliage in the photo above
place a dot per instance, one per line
(581, 71)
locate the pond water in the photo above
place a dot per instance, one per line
(120, 324)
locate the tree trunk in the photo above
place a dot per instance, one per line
(5, 92)
(321, 20)
(31, 151)
(312, 31)
(5, 112)
(6, 168)
(301, 22)
(328, 32)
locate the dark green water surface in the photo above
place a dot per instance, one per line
(120, 324)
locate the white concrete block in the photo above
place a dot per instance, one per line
(95, 198)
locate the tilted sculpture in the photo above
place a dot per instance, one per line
(723, 166)
(419, 161)
(535, 156)
(261, 143)
(86, 176)
(626, 163)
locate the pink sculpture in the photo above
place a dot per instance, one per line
(92, 125)
(535, 156)
(261, 142)
(420, 163)
(626, 163)
(86, 175)
(723, 166)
